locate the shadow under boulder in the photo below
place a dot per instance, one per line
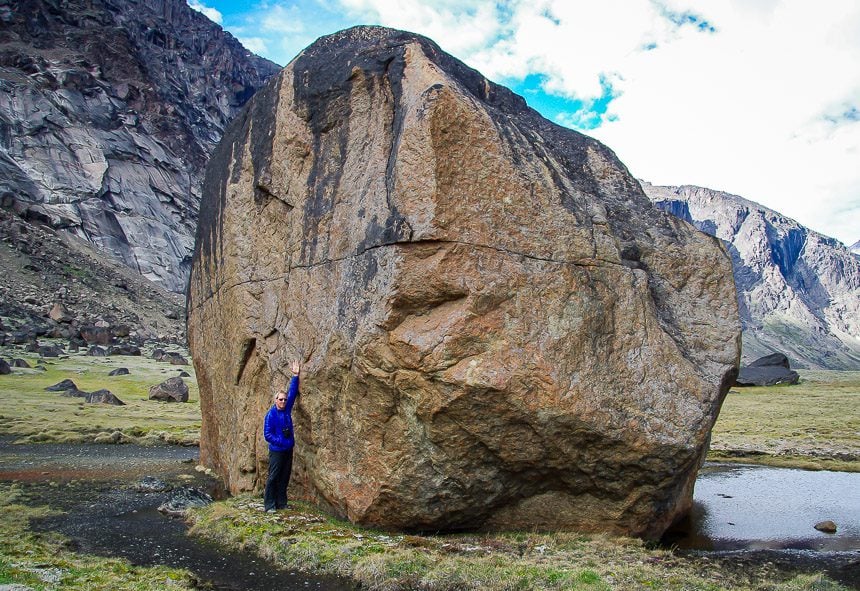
(771, 370)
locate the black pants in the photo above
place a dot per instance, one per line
(280, 466)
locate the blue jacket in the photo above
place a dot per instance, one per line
(278, 427)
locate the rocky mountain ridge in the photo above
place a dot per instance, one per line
(798, 291)
(56, 285)
(108, 112)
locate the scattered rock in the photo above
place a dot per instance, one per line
(157, 354)
(20, 338)
(59, 313)
(5, 370)
(124, 349)
(184, 499)
(19, 363)
(827, 527)
(96, 351)
(62, 386)
(174, 358)
(170, 390)
(772, 360)
(151, 484)
(184, 374)
(96, 335)
(50, 351)
(104, 397)
(120, 371)
(770, 370)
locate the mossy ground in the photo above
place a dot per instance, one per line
(31, 414)
(305, 539)
(42, 561)
(812, 425)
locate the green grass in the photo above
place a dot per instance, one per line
(42, 561)
(31, 414)
(305, 539)
(812, 425)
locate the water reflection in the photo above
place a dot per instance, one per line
(744, 507)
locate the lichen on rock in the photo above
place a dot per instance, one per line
(498, 329)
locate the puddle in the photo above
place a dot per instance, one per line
(745, 507)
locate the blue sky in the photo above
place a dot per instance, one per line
(759, 98)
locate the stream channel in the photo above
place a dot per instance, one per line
(752, 513)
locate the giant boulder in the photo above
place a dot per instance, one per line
(498, 329)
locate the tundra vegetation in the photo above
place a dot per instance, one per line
(32, 415)
(812, 425)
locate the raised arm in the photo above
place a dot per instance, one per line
(293, 392)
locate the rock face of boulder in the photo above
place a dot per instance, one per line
(498, 328)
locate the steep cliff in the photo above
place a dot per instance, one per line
(798, 291)
(108, 112)
(499, 329)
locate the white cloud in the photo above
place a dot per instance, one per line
(256, 45)
(759, 99)
(210, 13)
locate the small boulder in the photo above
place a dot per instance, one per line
(59, 313)
(157, 354)
(4, 367)
(120, 371)
(171, 390)
(20, 337)
(124, 349)
(772, 360)
(50, 351)
(770, 370)
(184, 499)
(96, 351)
(96, 335)
(184, 374)
(827, 527)
(62, 386)
(19, 363)
(174, 359)
(103, 397)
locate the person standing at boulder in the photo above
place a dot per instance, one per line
(278, 431)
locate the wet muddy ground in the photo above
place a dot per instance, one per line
(94, 485)
(105, 515)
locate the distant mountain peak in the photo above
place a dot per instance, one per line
(798, 290)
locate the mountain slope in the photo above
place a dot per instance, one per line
(798, 291)
(108, 112)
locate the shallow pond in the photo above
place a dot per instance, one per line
(746, 507)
